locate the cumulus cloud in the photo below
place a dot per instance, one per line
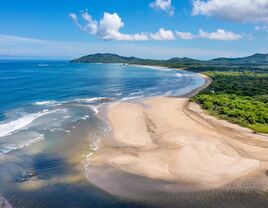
(163, 5)
(220, 34)
(162, 34)
(185, 35)
(252, 11)
(108, 28)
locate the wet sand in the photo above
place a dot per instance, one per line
(4, 203)
(166, 146)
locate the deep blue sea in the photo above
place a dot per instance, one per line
(49, 122)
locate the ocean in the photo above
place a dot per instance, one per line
(38, 98)
(49, 123)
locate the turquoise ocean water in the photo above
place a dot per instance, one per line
(38, 98)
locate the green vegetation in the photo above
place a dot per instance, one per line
(256, 62)
(113, 58)
(239, 97)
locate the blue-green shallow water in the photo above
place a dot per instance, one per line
(48, 123)
(38, 98)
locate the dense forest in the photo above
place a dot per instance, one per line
(257, 61)
(239, 97)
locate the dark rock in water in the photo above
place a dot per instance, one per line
(106, 99)
(30, 173)
(25, 176)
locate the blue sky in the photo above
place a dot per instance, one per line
(144, 28)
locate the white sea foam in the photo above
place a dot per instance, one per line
(91, 100)
(80, 100)
(95, 108)
(47, 102)
(12, 126)
(135, 93)
(185, 75)
(131, 98)
(11, 147)
(118, 94)
(180, 75)
(95, 145)
(153, 67)
(42, 65)
(85, 117)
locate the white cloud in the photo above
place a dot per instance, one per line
(252, 11)
(110, 24)
(220, 34)
(164, 5)
(185, 35)
(75, 20)
(91, 26)
(73, 16)
(162, 34)
(261, 28)
(108, 28)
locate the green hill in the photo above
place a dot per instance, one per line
(114, 58)
(254, 59)
(256, 62)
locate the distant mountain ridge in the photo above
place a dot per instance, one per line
(257, 58)
(114, 58)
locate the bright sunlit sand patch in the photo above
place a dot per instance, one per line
(165, 142)
(35, 184)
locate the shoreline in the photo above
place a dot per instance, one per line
(4, 203)
(163, 145)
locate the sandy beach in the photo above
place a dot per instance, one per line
(169, 145)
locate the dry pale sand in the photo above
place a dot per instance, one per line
(166, 144)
